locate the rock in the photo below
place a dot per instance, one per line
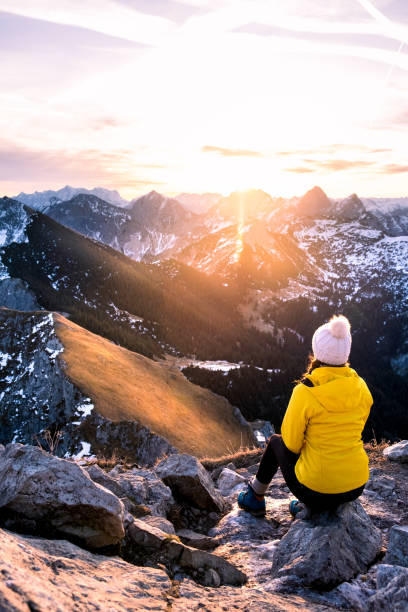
(148, 537)
(397, 551)
(327, 549)
(40, 575)
(194, 559)
(228, 482)
(196, 540)
(262, 430)
(211, 578)
(189, 481)
(397, 452)
(383, 485)
(161, 523)
(353, 597)
(386, 573)
(239, 525)
(392, 589)
(104, 479)
(140, 486)
(128, 438)
(57, 495)
(169, 550)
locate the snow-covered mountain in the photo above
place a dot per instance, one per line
(42, 199)
(160, 223)
(150, 224)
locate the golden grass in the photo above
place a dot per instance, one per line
(242, 458)
(124, 386)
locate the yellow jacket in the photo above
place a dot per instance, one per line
(324, 424)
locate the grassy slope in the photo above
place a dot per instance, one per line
(127, 386)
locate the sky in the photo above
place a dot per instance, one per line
(205, 96)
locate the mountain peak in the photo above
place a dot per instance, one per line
(351, 207)
(313, 203)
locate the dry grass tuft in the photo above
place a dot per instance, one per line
(242, 458)
(374, 450)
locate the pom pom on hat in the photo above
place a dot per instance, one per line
(339, 327)
(331, 342)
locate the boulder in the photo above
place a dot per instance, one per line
(397, 452)
(327, 549)
(397, 551)
(56, 495)
(228, 482)
(140, 486)
(189, 481)
(169, 550)
(392, 589)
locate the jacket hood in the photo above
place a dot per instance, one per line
(339, 389)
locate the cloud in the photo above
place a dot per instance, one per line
(231, 152)
(393, 169)
(331, 165)
(20, 165)
(339, 164)
(398, 119)
(299, 169)
(332, 149)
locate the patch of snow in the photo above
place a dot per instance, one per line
(52, 353)
(394, 239)
(47, 319)
(85, 409)
(4, 358)
(85, 450)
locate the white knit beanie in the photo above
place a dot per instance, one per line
(331, 342)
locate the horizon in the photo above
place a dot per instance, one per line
(202, 96)
(202, 194)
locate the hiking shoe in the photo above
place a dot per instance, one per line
(295, 506)
(248, 501)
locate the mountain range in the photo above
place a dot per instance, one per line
(244, 279)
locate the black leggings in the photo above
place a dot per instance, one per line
(278, 455)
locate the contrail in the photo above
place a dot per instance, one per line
(397, 30)
(400, 34)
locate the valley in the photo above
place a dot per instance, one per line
(229, 294)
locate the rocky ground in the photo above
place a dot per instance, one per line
(82, 537)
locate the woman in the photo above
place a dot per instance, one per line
(320, 450)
